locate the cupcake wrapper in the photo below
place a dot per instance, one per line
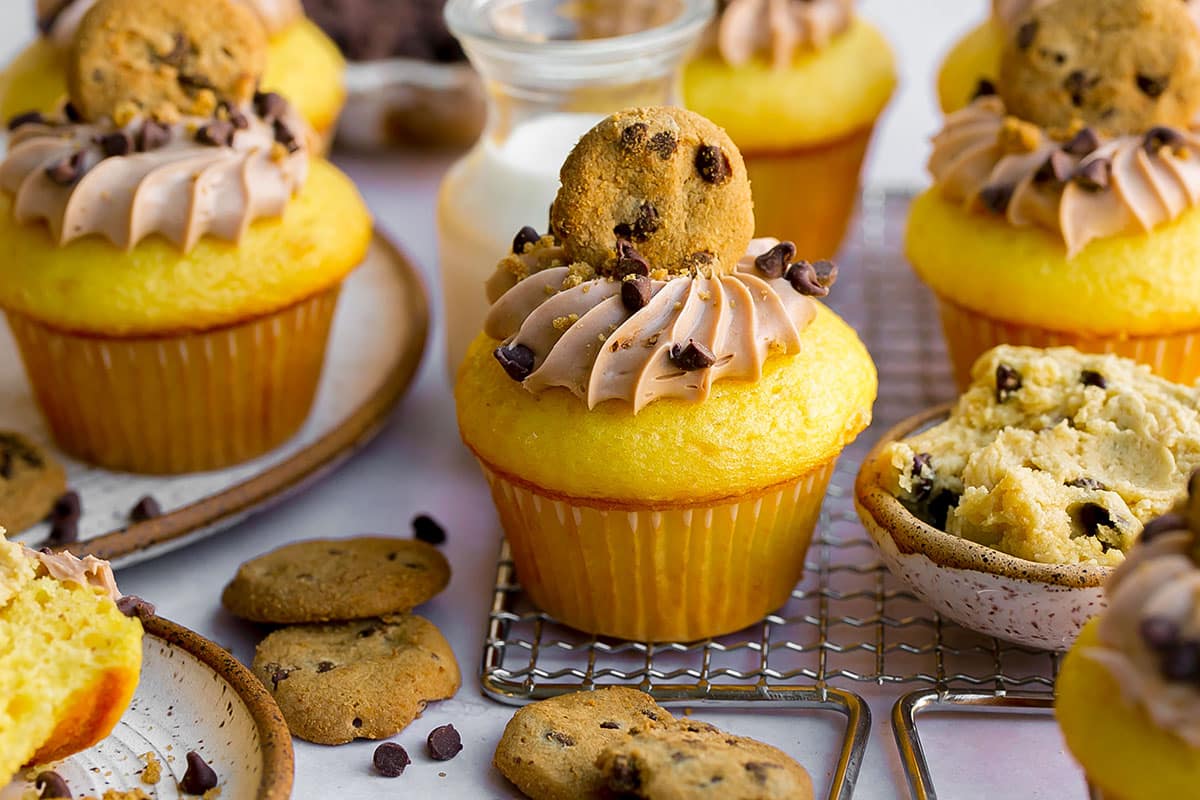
(660, 574)
(183, 403)
(969, 334)
(807, 195)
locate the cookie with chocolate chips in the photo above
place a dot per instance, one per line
(356, 680)
(30, 482)
(666, 180)
(164, 56)
(1120, 66)
(337, 579)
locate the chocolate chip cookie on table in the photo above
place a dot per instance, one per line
(31, 480)
(618, 742)
(1126, 696)
(657, 401)
(302, 63)
(172, 250)
(1063, 210)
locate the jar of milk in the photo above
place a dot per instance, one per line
(552, 69)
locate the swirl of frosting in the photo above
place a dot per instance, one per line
(177, 185)
(86, 571)
(779, 27)
(1009, 13)
(584, 339)
(1086, 189)
(59, 19)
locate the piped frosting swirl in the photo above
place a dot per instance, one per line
(58, 20)
(1086, 188)
(779, 29)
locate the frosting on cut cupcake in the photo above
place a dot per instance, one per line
(59, 19)
(86, 571)
(194, 177)
(779, 29)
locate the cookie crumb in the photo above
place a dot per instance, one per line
(152, 773)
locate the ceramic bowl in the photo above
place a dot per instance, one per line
(1041, 606)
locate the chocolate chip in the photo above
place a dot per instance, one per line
(636, 292)
(633, 137)
(145, 509)
(444, 743)
(565, 739)
(1076, 84)
(1093, 517)
(64, 531)
(199, 777)
(1161, 136)
(357, 722)
(1159, 633)
(239, 120)
(995, 197)
(646, 223)
(152, 135)
(922, 486)
(813, 280)
(1181, 661)
(325, 666)
(629, 260)
(269, 105)
(133, 606)
(692, 356)
(938, 509)
(69, 169)
(426, 529)
(285, 136)
(985, 88)
(713, 165)
(118, 143)
(624, 778)
(524, 238)
(218, 133)
(1082, 143)
(664, 143)
(1153, 86)
(13, 448)
(368, 632)
(1026, 34)
(28, 118)
(51, 785)
(759, 770)
(1094, 175)
(1090, 484)
(517, 360)
(650, 714)
(1089, 377)
(609, 725)
(68, 506)
(71, 112)
(1167, 523)
(1008, 382)
(774, 262)
(390, 759)
(277, 673)
(1057, 168)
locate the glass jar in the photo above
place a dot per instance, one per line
(552, 70)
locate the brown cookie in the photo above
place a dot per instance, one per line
(165, 57)
(667, 180)
(337, 579)
(1120, 66)
(696, 761)
(30, 481)
(356, 680)
(549, 749)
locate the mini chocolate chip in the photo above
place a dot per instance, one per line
(995, 197)
(1153, 86)
(813, 280)
(938, 509)
(52, 785)
(1094, 175)
(64, 531)
(633, 137)
(69, 169)
(1008, 381)
(525, 237)
(624, 778)
(368, 632)
(1093, 517)
(692, 356)
(133, 606)
(1181, 661)
(218, 133)
(426, 529)
(1089, 377)
(1159, 633)
(985, 88)
(1167, 523)
(279, 674)
(1057, 168)
(664, 143)
(67, 506)
(147, 508)
(1161, 136)
(285, 136)
(28, 118)
(774, 262)
(517, 360)
(1090, 484)
(1026, 34)
(1076, 83)
(629, 260)
(922, 486)
(565, 739)
(444, 743)
(635, 292)
(650, 714)
(390, 759)
(269, 105)
(357, 722)
(325, 666)
(609, 725)
(71, 112)
(199, 777)
(713, 165)
(152, 135)
(759, 770)
(647, 223)
(1082, 143)
(118, 143)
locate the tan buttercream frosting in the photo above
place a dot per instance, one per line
(20, 564)
(1010, 13)
(182, 190)
(990, 161)
(585, 340)
(778, 29)
(59, 19)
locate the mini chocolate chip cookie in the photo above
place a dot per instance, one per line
(356, 680)
(337, 579)
(1120, 66)
(695, 761)
(667, 181)
(30, 482)
(165, 57)
(549, 749)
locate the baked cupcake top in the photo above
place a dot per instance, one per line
(1053, 456)
(1149, 638)
(1089, 136)
(648, 285)
(778, 29)
(58, 20)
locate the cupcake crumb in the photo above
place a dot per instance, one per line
(152, 774)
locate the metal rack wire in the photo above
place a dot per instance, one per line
(848, 622)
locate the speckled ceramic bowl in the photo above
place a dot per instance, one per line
(1036, 605)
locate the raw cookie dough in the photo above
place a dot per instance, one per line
(1054, 456)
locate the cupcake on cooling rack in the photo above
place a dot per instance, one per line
(303, 64)
(1063, 210)
(172, 251)
(1127, 698)
(657, 401)
(821, 76)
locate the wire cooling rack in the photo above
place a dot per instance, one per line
(848, 623)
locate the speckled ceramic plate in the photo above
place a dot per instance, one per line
(193, 695)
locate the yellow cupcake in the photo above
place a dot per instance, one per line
(303, 65)
(973, 59)
(802, 115)
(658, 442)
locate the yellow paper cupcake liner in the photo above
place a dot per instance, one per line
(807, 195)
(969, 334)
(184, 403)
(677, 573)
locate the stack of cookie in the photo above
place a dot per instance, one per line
(351, 661)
